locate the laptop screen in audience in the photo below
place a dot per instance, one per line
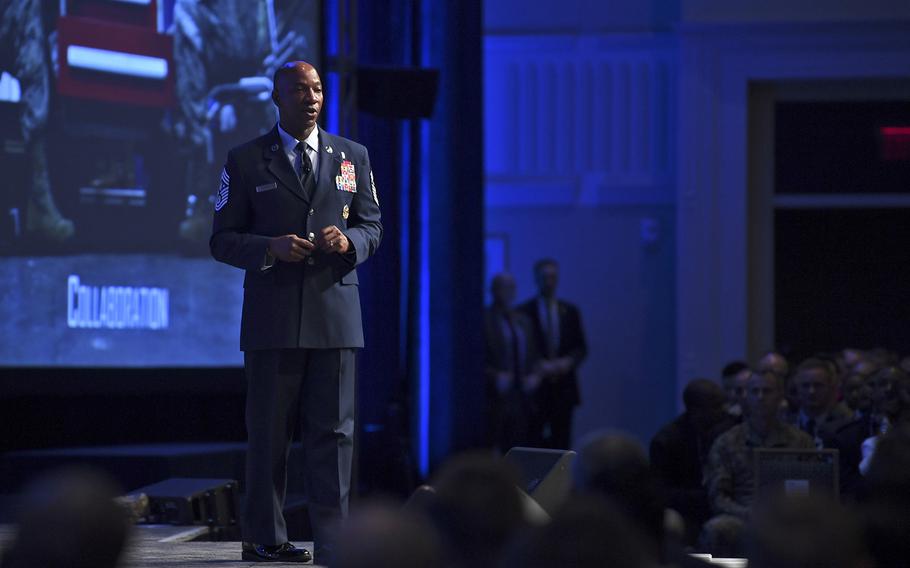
(796, 472)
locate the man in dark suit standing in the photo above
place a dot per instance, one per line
(557, 325)
(297, 210)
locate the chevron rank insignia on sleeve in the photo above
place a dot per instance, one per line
(373, 186)
(224, 191)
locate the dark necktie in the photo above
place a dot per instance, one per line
(304, 165)
(552, 330)
(516, 351)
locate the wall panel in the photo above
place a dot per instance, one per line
(578, 137)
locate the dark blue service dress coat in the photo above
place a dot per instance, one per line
(314, 303)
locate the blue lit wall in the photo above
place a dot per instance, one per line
(616, 141)
(579, 164)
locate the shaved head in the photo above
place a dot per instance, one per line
(297, 92)
(702, 393)
(289, 68)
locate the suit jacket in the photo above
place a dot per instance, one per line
(678, 458)
(497, 352)
(310, 304)
(571, 344)
(826, 426)
(513, 413)
(848, 440)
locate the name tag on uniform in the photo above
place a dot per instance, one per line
(266, 187)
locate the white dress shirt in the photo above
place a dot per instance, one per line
(289, 143)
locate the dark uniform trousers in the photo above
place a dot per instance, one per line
(286, 387)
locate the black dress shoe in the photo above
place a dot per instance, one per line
(286, 552)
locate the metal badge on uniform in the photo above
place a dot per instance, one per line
(223, 191)
(347, 179)
(266, 187)
(274, 148)
(328, 150)
(345, 212)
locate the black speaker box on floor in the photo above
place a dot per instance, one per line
(188, 501)
(546, 475)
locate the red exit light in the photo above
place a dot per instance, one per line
(895, 143)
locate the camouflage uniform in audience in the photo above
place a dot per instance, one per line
(730, 476)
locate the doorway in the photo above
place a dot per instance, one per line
(829, 205)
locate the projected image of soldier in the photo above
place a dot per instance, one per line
(25, 63)
(225, 52)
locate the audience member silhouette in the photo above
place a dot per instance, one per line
(891, 406)
(867, 423)
(69, 519)
(886, 503)
(857, 394)
(805, 532)
(679, 452)
(383, 535)
(820, 414)
(869, 361)
(614, 466)
(888, 469)
(905, 364)
(477, 509)
(733, 379)
(773, 362)
(587, 532)
(731, 369)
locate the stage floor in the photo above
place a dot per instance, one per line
(165, 545)
(189, 554)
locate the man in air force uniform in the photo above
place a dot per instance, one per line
(297, 209)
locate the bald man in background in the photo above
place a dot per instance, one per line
(510, 366)
(679, 451)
